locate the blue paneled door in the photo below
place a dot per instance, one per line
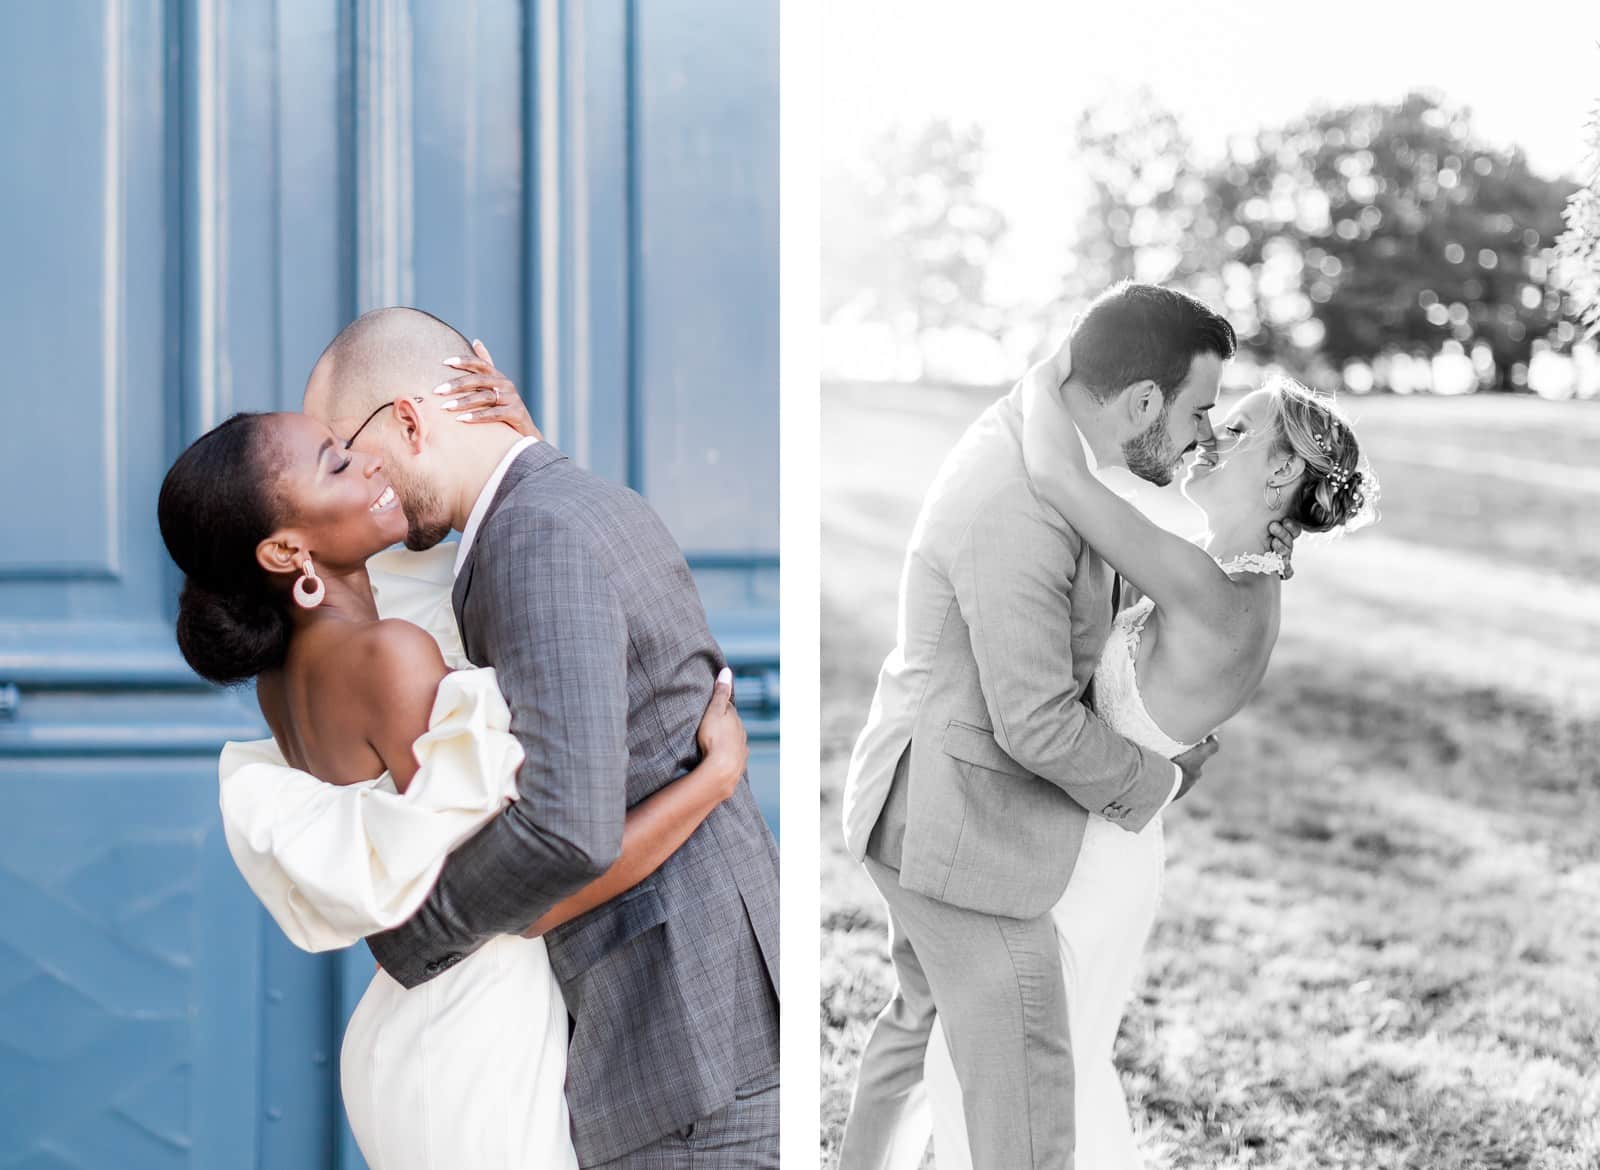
(198, 195)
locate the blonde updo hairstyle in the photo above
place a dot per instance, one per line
(1338, 489)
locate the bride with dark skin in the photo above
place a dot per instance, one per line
(263, 505)
(396, 759)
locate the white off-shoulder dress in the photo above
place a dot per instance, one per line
(468, 1069)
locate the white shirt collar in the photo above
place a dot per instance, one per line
(485, 497)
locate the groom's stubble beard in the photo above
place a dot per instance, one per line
(1151, 454)
(426, 520)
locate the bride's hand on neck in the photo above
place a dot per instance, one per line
(482, 394)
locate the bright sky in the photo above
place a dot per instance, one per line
(1024, 69)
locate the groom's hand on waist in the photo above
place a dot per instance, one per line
(1192, 761)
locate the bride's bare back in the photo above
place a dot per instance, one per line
(1196, 673)
(352, 697)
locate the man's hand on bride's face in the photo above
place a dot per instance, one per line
(722, 737)
(482, 394)
(1192, 761)
(1281, 535)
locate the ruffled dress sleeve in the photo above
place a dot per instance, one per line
(334, 863)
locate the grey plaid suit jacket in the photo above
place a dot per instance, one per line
(579, 598)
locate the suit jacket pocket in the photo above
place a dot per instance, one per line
(974, 745)
(580, 944)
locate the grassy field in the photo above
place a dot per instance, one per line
(1380, 939)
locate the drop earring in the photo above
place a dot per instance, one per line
(1273, 494)
(308, 588)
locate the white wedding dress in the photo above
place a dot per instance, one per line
(1103, 922)
(467, 1070)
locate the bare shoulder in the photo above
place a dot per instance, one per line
(394, 652)
(395, 669)
(1238, 615)
(386, 668)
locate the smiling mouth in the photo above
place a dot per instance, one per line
(386, 500)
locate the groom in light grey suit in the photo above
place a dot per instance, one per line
(970, 786)
(574, 591)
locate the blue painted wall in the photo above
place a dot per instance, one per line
(198, 195)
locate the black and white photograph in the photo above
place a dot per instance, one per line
(1210, 402)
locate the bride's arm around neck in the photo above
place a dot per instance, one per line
(1179, 575)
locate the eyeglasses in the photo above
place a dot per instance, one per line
(372, 416)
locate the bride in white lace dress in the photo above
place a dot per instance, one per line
(1178, 663)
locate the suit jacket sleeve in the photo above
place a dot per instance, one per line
(541, 610)
(1012, 574)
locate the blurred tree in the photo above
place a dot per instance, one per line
(1150, 213)
(1344, 233)
(1579, 247)
(1391, 226)
(907, 237)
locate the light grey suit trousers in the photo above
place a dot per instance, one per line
(1002, 1002)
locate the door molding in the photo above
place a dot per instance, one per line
(384, 173)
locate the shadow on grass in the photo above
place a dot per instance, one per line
(1378, 945)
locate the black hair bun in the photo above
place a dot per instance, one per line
(216, 505)
(231, 638)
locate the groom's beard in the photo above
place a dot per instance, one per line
(422, 506)
(1151, 453)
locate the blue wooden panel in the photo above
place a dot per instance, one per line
(58, 164)
(89, 155)
(128, 991)
(218, 189)
(314, 279)
(705, 173)
(467, 162)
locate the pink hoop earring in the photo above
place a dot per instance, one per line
(308, 587)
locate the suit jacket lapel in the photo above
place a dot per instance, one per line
(536, 458)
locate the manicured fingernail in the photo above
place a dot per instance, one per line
(453, 363)
(464, 417)
(725, 677)
(444, 388)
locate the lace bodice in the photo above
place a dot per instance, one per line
(1116, 681)
(1116, 684)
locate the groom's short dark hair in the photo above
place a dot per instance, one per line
(1133, 332)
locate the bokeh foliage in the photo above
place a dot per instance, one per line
(1342, 235)
(1579, 246)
